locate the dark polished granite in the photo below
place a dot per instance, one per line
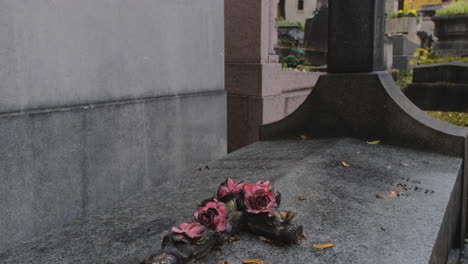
(341, 206)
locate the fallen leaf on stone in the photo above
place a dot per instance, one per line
(378, 196)
(232, 239)
(373, 142)
(303, 137)
(345, 164)
(392, 194)
(324, 246)
(301, 198)
(223, 262)
(264, 239)
(256, 261)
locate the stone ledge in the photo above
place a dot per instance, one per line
(341, 207)
(100, 104)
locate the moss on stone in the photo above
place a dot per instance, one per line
(429, 61)
(404, 78)
(456, 118)
(455, 8)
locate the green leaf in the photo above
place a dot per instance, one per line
(373, 142)
(236, 214)
(231, 205)
(287, 216)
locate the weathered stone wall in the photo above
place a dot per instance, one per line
(100, 100)
(62, 52)
(391, 6)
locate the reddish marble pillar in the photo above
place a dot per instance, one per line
(259, 92)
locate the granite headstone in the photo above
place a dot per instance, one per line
(316, 35)
(357, 42)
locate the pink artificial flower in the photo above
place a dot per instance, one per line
(264, 185)
(259, 198)
(229, 189)
(193, 230)
(214, 215)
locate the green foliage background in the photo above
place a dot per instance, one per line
(455, 8)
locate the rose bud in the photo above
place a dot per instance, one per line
(286, 216)
(229, 190)
(186, 230)
(259, 198)
(214, 215)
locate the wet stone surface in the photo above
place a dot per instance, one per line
(348, 206)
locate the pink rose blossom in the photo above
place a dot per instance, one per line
(214, 215)
(229, 190)
(258, 198)
(193, 230)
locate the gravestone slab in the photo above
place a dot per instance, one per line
(356, 100)
(452, 34)
(356, 44)
(401, 62)
(439, 96)
(403, 46)
(316, 30)
(450, 72)
(388, 53)
(367, 106)
(316, 35)
(441, 87)
(403, 50)
(341, 206)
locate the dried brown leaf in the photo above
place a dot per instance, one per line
(232, 239)
(256, 261)
(345, 164)
(304, 137)
(223, 262)
(264, 239)
(324, 246)
(302, 198)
